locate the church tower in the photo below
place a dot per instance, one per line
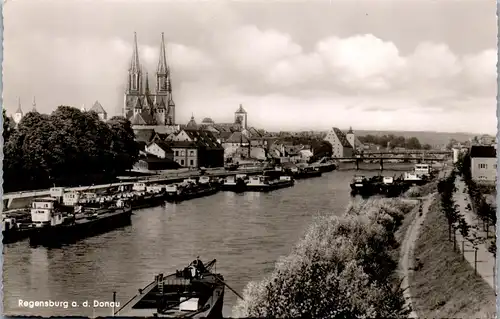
(19, 112)
(134, 83)
(240, 117)
(34, 105)
(351, 138)
(164, 99)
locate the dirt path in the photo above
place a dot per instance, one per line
(406, 262)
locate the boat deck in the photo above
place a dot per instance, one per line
(175, 290)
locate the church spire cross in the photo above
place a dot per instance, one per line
(134, 63)
(34, 104)
(162, 62)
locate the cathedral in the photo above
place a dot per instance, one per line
(145, 106)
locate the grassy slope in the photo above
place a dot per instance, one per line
(446, 286)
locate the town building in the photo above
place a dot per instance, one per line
(101, 112)
(483, 164)
(161, 150)
(341, 147)
(196, 148)
(145, 107)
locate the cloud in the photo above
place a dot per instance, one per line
(222, 55)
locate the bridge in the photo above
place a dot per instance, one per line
(381, 159)
(408, 152)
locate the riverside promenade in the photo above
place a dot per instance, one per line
(484, 260)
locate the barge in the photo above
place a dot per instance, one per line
(235, 183)
(194, 292)
(264, 183)
(189, 189)
(53, 226)
(306, 172)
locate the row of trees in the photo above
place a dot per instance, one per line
(391, 141)
(67, 147)
(446, 189)
(484, 210)
(343, 268)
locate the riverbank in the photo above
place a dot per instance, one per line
(444, 285)
(338, 256)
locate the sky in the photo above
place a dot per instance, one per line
(293, 65)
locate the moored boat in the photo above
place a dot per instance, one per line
(194, 292)
(234, 183)
(306, 172)
(412, 178)
(189, 190)
(14, 229)
(54, 226)
(265, 183)
(359, 184)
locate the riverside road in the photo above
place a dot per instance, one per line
(247, 233)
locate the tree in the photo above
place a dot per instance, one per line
(7, 126)
(413, 143)
(68, 147)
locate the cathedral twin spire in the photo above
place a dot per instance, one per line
(163, 81)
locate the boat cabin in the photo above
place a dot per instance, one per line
(71, 198)
(9, 223)
(190, 181)
(155, 188)
(230, 180)
(44, 212)
(171, 188)
(422, 169)
(57, 192)
(359, 178)
(139, 187)
(388, 180)
(411, 176)
(258, 180)
(241, 176)
(204, 180)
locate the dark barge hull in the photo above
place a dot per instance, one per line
(239, 187)
(70, 233)
(327, 168)
(174, 197)
(14, 235)
(147, 201)
(304, 175)
(268, 188)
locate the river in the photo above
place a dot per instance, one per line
(246, 233)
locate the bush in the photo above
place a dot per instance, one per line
(342, 268)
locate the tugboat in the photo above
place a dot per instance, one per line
(194, 292)
(234, 183)
(55, 226)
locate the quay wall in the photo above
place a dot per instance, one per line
(22, 199)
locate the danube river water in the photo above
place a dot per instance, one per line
(246, 233)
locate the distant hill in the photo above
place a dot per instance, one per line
(432, 138)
